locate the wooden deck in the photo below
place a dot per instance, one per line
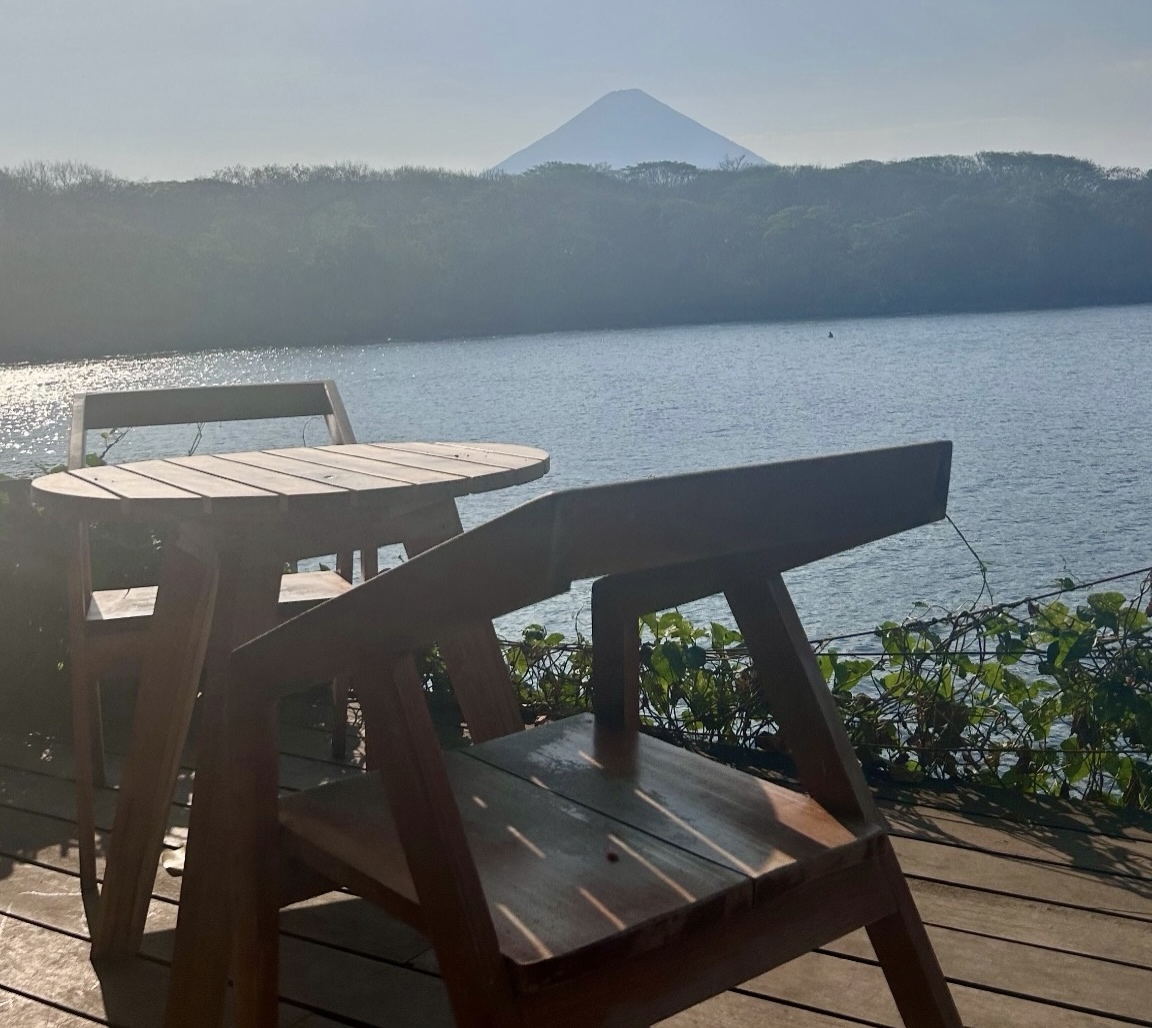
(1041, 914)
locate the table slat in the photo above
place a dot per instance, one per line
(128, 485)
(455, 466)
(196, 481)
(259, 478)
(477, 452)
(350, 480)
(67, 484)
(335, 457)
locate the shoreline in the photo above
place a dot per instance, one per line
(827, 321)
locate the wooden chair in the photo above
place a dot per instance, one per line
(583, 873)
(108, 628)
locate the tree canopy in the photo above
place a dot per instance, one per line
(91, 264)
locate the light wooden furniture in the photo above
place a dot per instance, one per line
(108, 627)
(579, 873)
(231, 521)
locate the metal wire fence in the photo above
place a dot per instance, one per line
(1038, 694)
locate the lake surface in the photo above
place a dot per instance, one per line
(1050, 413)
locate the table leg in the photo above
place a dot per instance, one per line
(246, 607)
(475, 662)
(178, 637)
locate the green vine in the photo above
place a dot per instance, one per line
(1035, 696)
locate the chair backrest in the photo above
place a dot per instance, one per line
(672, 530)
(194, 405)
(186, 406)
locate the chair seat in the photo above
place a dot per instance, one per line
(297, 593)
(592, 845)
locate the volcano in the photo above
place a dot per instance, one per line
(629, 127)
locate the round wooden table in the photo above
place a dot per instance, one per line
(233, 520)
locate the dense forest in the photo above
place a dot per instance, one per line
(91, 264)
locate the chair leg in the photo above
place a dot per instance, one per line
(251, 764)
(96, 735)
(907, 958)
(89, 763)
(340, 718)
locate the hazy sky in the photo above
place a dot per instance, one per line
(166, 89)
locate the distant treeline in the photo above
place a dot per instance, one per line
(91, 264)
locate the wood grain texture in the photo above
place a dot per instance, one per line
(412, 474)
(666, 879)
(194, 480)
(548, 882)
(906, 956)
(707, 808)
(616, 658)
(393, 457)
(1076, 887)
(246, 606)
(1056, 846)
(68, 485)
(659, 983)
(246, 477)
(268, 483)
(856, 990)
(128, 485)
(500, 455)
(323, 472)
(1038, 974)
(1000, 806)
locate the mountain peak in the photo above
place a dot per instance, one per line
(626, 127)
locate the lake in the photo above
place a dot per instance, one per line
(1050, 413)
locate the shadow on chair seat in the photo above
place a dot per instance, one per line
(588, 850)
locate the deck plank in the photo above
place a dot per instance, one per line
(295, 773)
(54, 968)
(1058, 846)
(47, 904)
(736, 1010)
(18, 1011)
(856, 989)
(54, 797)
(1007, 807)
(49, 891)
(1071, 886)
(1086, 932)
(1039, 974)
